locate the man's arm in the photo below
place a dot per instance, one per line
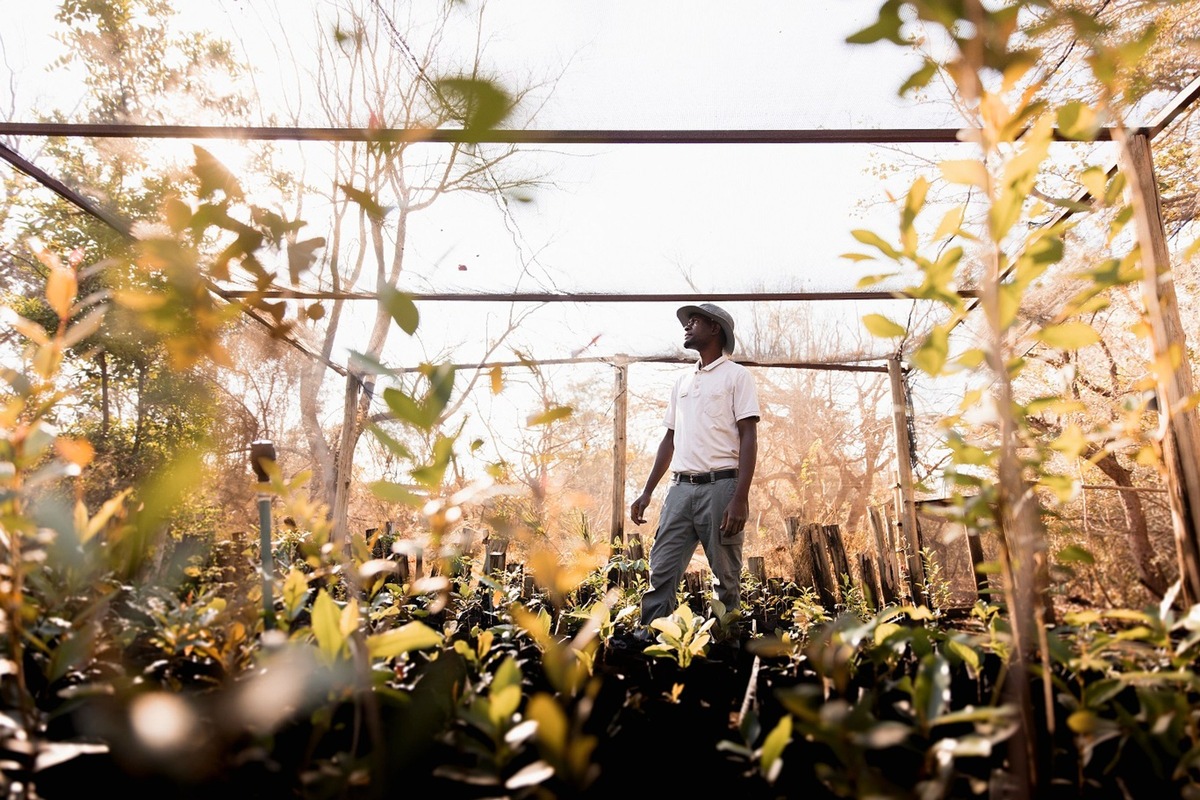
(738, 510)
(662, 460)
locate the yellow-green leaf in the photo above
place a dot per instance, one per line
(966, 171)
(326, 626)
(1079, 121)
(503, 703)
(550, 415)
(778, 739)
(401, 308)
(295, 591)
(951, 223)
(1068, 335)
(100, 518)
(964, 652)
(885, 629)
(1064, 487)
(930, 357)
(882, 327)
(1095, 180)
(874, 240)
(1075, 554)
(411, 636)
(1071, 441)
(552, 722)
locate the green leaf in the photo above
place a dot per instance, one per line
(399, 493)
(1079, 121)
(405, 407)
(920, 78)
(882, 327)
(394, 446)
(1068, 335)
(401, 308)
(407, 638)
(931, 692)
(508, 673)
(964, 652)
(1074, 554)
(888, 26)
(482, 105)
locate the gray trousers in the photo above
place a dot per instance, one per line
(691, 515)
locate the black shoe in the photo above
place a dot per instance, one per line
(643, 636)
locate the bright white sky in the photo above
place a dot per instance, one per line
(624, 218)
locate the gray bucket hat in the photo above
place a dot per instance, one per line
(716, 314)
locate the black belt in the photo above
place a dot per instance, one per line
(704, 477)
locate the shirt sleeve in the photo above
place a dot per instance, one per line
(745, 396)
(672, 401)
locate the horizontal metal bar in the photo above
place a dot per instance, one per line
(497, 136)
(584, 297)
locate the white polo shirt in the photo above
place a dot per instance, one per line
(704, 410)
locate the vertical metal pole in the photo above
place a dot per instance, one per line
(260, 452)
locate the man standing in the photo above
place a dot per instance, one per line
(710, 447)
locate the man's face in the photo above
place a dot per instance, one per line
(698, 331)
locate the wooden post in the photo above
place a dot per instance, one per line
(803, 571)
(889, 573)
(757, 567)
(906, 510)
(1181, 443)
(811, 557)
(839, 563)
(866, 578)
(497, 553)
(975, 546)
(620, 410)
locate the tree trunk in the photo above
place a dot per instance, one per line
(1135, 518)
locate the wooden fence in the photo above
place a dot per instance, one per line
(894, 572)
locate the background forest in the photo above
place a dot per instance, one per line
(188, 625)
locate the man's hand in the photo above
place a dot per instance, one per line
(637, 510)
(734, 518)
